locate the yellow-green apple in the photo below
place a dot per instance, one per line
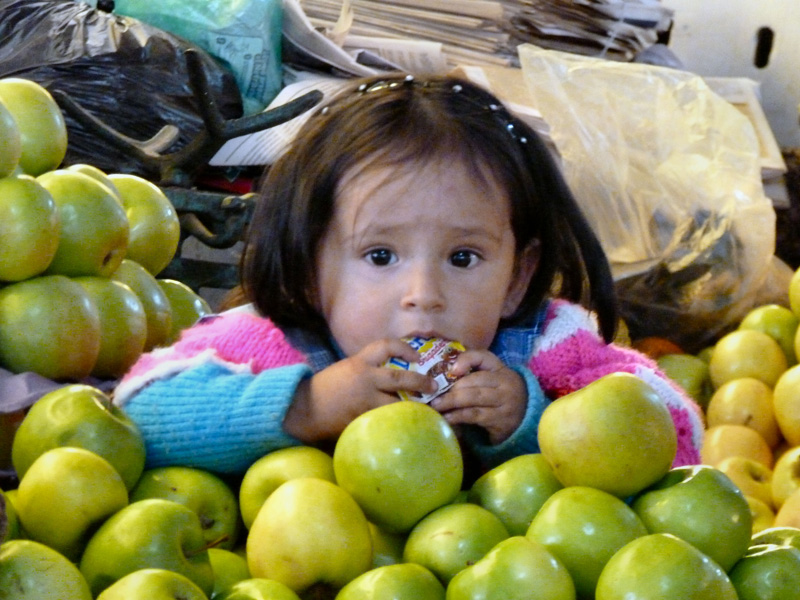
(65, 494)
(204, 492)
(154, 227)
(258, 588)
(10, 142)
(123, 325)
(309, 532)
(750, 476)
(399, 461)
(271, 470)
(155, 301)
(517, 568)
(722, 441)
(403, 581)
(690, 372)
(9, 522)
(153, 584)
(767, 572)
(786, 476)
(33, 571)
(15, 531)
(29, 224)
(42, 129)
(93, 235)
(152, 533)
(763, 515)
(782, 536)
(584, 527)
(699, 504)
(747, 353)
(48, 325)
(3, 519)
(778, 322)
(387, 547)
(515, 490)
(615, 435)
(83, 416)
(745, 401)
(663, 566)
(794, 293)
(229, 568)
(788, 514)
(187, 306)
(452, 537)
(97, 174)
(786, 403)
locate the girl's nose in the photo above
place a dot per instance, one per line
(423, 289)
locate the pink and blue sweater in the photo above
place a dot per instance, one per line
(216, 399)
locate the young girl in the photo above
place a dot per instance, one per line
(405, 207)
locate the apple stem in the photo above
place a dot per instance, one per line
(204, 548)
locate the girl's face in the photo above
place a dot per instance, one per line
(419, 252)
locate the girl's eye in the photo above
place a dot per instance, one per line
(463, 259)
(380, 257)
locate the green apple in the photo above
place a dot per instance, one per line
(407, 581)
(205, 493)
(781, 536)
(29, 225)
(690, 372)
(747, 353)
(15, 531)
(515, 490)
(786, 476)
(763, 515)
(745, 401)
(583, 527)
(786, 404)
(155, 301)
(123, 325)
(271, 470)
(399, 461)
(33, 571)
(187, 306)
(794, 293)
(152, 533)
(615, 435)
(750, 476)
(4, 520)
(699, 504)
(778, 322)
(517, 568)
(154, 225)
(767, 572)
(258, 588)
(309, 532)
(42, 129)
(452, 537)
(229, 568)
(83, 416)
(10, 142)
(387, 547)
(153, 584)
(661, 566)
(97, 174)
(9, 522)
(65, 494)
(50, 326)
(93, 236)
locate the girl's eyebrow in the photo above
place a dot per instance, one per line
(467, 232)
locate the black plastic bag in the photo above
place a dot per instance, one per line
(124, 72)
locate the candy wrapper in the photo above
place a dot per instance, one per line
(436, 359)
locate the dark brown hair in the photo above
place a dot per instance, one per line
(406, 121)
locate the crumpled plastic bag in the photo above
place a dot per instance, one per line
(131, 75)
(668, 174)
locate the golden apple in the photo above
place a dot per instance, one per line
(786, 403)
(786, 476)
(722, 441)
(788, 514)
(746, 353)
(745, 401)
(763, 515)
(753, 478)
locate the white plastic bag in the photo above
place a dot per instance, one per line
(668, 173)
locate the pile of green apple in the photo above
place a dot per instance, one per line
(79, 253)
(599, 513)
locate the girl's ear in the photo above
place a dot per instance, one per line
(523, 273)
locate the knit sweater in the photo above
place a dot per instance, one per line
(217, 398)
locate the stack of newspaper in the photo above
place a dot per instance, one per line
(487, 32)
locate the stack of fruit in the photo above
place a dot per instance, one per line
(599, 513)
(79, 253)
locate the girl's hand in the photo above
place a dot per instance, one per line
(488, 394)
(325, 404)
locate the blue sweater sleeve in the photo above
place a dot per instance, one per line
(212, 418)
(524, 440)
